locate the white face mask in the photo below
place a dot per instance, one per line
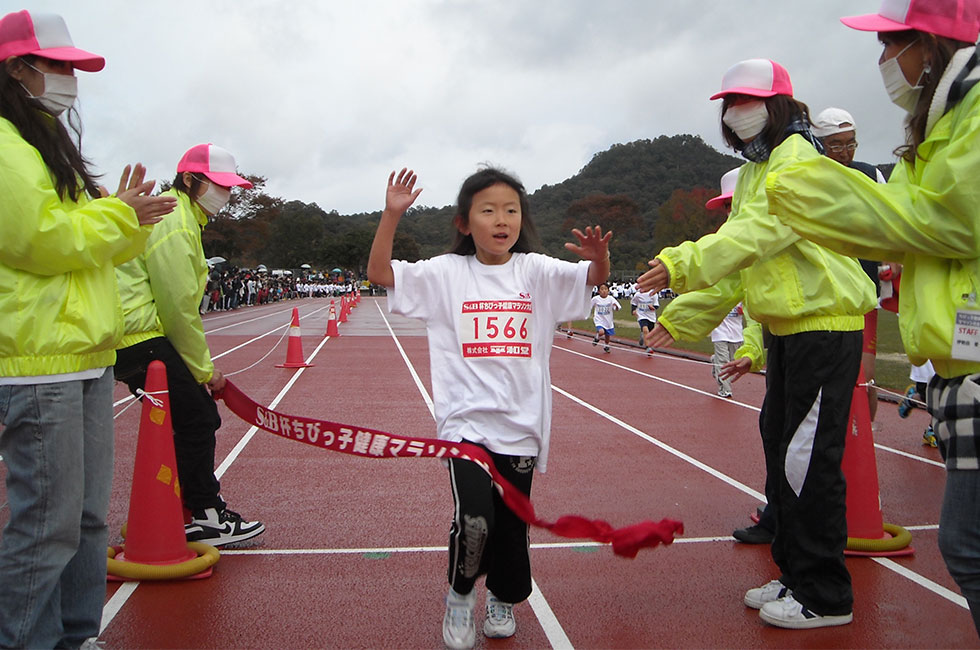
(900, 91)
(60, 91)
(746, 120)
(214, 198)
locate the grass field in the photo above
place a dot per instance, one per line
(892, 366)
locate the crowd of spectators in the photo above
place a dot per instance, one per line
(231, 287)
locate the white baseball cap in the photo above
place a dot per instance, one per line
(831, 121)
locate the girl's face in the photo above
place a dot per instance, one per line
(603, 290)
(911, 60)
(494, 222)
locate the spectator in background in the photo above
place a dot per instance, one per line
(836, 129)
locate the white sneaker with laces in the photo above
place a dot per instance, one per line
(220, 527)
(458, 628)
(767, 593)
(789, 613)
(500, 622)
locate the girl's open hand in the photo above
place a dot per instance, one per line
(592, 244)
(401, 192)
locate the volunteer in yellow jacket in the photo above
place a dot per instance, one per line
(161, 294)
(59, 325)
(812, 302)
(928, 218)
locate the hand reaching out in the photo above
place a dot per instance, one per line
(401, 192)
(658, 337)
(592, 244)
(655, 279)
(735, 369)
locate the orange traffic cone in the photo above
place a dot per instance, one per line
(867, 534)
(332, 322)
(156, 547)
(344, 309)
(294, 350)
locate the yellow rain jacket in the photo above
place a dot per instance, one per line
(59, 307)
(161, 289)
(790, 285)
(927, 217)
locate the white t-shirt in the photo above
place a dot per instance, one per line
(729, 329)
(646, 303)
(490, 331)
(604, 308)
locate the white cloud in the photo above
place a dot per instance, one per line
(324, 99)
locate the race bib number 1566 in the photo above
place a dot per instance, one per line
(496, 328)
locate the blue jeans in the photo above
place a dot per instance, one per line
(57, 443)
(959, 534)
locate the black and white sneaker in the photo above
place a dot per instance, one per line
(219, 527)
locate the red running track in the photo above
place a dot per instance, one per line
(354, 552)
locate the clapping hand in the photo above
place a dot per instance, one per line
(135, 193)
(656, 279)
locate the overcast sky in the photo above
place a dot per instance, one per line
(324, 98)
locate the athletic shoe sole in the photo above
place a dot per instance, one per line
(806, 623)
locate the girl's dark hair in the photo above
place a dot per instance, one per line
(783, 109)
(181, 186)
(47, 134)
(938, 50)
(527, 241)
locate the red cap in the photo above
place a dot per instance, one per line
(755, 77)
(956, 19)
(214, 162)
(44, 35)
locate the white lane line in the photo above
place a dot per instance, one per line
(922, 581)
(546, 617)
(889, 564)
(680, 454)
(119, 598)
(892, 450)
(116, 603)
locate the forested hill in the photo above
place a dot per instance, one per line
(651, 193)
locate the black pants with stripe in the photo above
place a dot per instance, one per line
(486, 537)
(810, 380)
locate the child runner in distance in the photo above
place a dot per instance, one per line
(490, 306)
(644, 305)
(604, 305)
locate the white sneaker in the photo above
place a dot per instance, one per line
(500, 622)
(458, 628)
(767, 593)
(787, 612)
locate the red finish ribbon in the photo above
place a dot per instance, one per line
(370, 443)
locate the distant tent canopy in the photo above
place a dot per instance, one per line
(337, 271)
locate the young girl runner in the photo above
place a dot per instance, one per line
(490, 306)
(604, 306)
(813, 302)
(927, 218)
(644, 305)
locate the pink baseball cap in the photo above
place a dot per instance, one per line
(728, 182)
(44, 35)
(755, 77)
(214, 162)
(956, 19)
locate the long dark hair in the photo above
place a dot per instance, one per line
(527, 240)
(783, 109)
(939, 50)
(48, 135)
(181, 186)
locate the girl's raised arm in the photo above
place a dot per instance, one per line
(400, 196)
(594, 246)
